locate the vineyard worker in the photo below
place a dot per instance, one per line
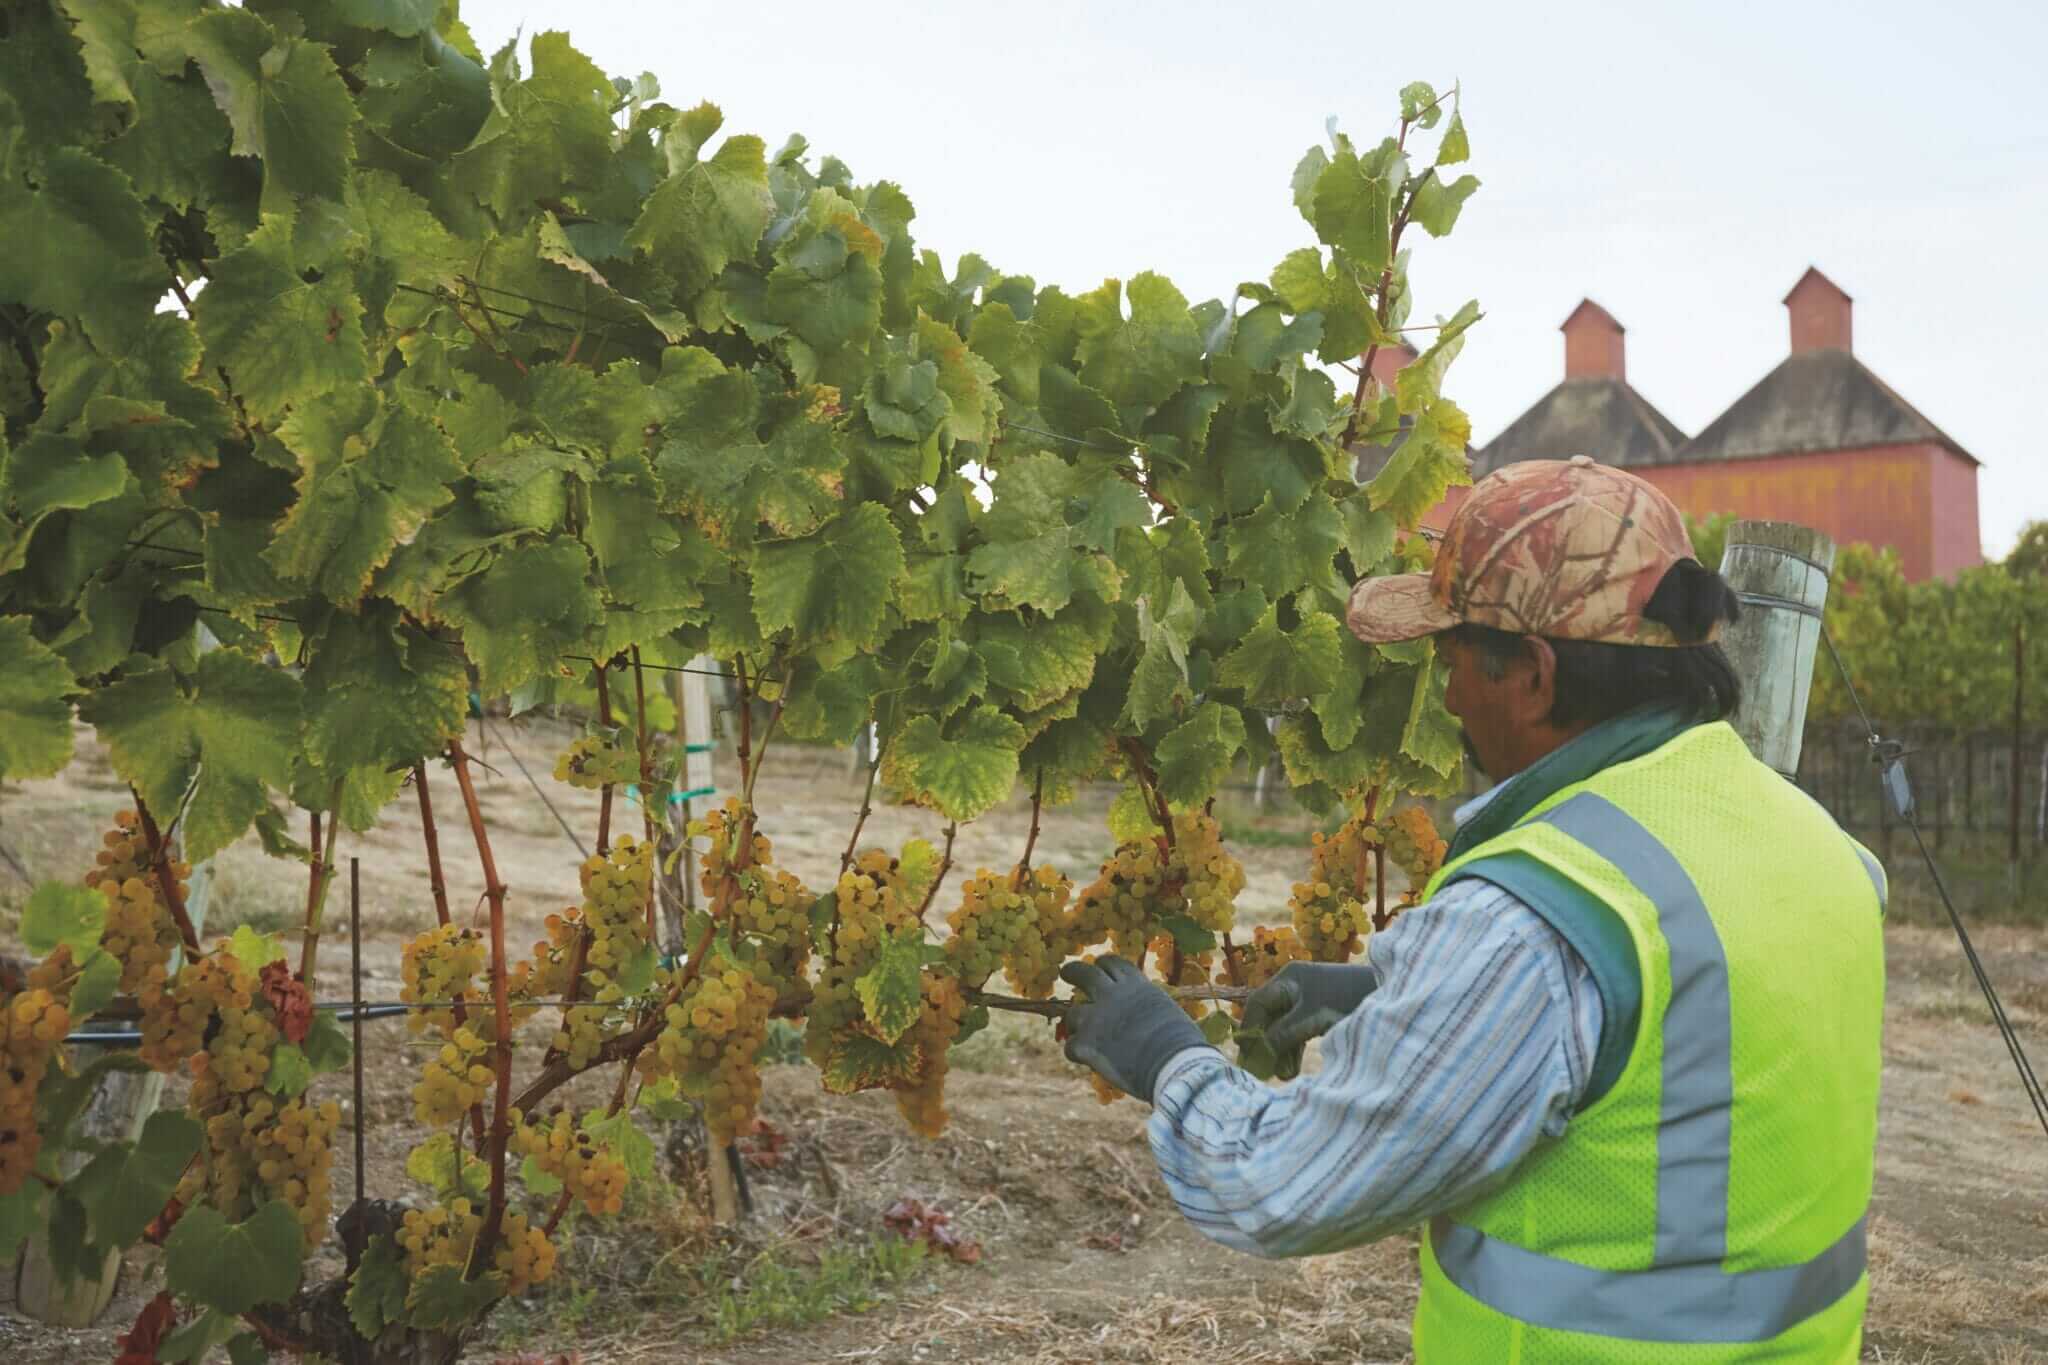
(1623, 1059)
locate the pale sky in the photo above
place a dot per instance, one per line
(1681, 164)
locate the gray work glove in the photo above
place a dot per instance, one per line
(1304, 1000)
(1127, 1029)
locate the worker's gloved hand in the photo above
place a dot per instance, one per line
(1304, 1000)
(1127, 1028)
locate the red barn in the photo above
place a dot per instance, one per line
(1820, 440)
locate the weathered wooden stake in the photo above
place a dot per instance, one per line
(1780, 571)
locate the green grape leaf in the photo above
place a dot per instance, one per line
(1273, 665)
(1456, 146)
(1036, 572)
(233, 1267)
(1430, 461)
(1421, 379)
(1040, 660)
(860, 1062)
(441, 1300)
(99, 980)
(22, 1216)
(1368, 535)
(824, 911)
(902, 397)
(372, 474)
(60, 913)
(227, 743)
(255, 950)
(327, 1047)
(964, 772)
(281, 339)
(1300, 281)
(1257, 463)
(79, 246)
(1188, 936)
(891, 992)
(707, 214)
(543, 135)
(967, 381)
(539, 1182)
(1143, 359)
(50, 474)
(621, 1136)
(1217, 1027)
(1196, 757)
(376, 1291)
(1278, 552)
(1352, 204)
(1435, 205)
(284, 99)
(1432, 736)
(290, 1073)
(1266, 337)
(193, 1341)
(127, 1185)
(35, 715)
(831, 585)
(380, 693)
(1159, 684)
(918, 864)
(792, 482)
(1131, 816)
(522, 614)
(433, 1164)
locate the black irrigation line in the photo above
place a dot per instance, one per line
(1889, 757)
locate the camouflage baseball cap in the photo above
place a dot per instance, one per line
(1571, 549)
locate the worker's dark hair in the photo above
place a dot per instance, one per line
(1596, 682)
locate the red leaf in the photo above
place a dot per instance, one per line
(152, 1325)
(916, 1221)
(287, 995)
(161, 1225)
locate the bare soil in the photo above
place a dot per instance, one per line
(1084, 1257)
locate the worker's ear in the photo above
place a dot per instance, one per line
(1536, 690)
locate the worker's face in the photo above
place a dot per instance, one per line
(1506, 718)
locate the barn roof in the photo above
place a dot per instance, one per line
(1816, 400)
(1601, 417)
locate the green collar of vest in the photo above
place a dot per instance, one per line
(1629, 735)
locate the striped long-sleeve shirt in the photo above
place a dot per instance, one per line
(1474, 1050)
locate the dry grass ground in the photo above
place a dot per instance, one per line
(1084, 1257)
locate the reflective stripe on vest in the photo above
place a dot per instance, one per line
(1685, 1296)
(1679, 1303)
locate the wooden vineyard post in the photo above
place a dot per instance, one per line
(1780, 571)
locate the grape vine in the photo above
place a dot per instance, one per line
(351, 370)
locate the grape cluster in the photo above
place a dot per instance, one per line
(1210, 879)
(589, 1171)
(1414, 845)
(288, 1150)
(176, 1020)
(614, 912)
(1120, 904)
(1033, 965)
(444, 1234)
(139, 932)
(869, 905)
(32, 1027)
(922, 1100)
(1331, 909)
(761, 905)
(1261, 960)
(440, 965)
(592, 762)
(711, 1035)
(990, 927)
(453, 1079)
(257, 1147)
